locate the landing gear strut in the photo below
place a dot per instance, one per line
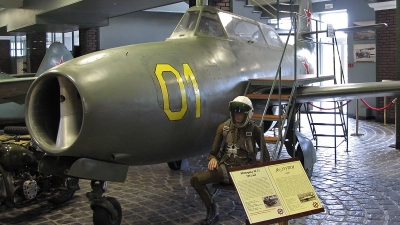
(106, 210)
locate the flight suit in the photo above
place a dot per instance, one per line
(226, 158)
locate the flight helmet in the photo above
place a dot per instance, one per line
(241, 104)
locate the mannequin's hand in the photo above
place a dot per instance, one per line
(213, 164)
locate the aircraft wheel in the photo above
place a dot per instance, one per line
(102, 217)
(175, 165)
(299, 154)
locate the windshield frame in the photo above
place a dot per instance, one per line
(242, 28)
(186, 28)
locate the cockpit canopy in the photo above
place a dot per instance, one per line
(208, 21)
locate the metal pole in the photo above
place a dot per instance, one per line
(384, 111)
(357, 118)
(262, 147)
(397, 70)
(334, 60)
(317, 48)
(357, 134)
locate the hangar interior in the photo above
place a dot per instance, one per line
(139, 23)
(28, 27)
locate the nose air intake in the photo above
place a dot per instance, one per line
(54, 112)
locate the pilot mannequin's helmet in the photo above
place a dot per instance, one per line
(241, 104)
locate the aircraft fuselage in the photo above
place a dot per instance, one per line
(121, 95)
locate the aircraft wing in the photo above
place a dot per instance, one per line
(343, 92)
(307, 35)
(14, 89)
(362, 28)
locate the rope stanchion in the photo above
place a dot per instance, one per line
(357, 134)
(384, 111)
(328, 108)
(378, 109)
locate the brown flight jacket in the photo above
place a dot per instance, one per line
(256, 138)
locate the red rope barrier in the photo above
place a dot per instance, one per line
(329, 108)
(378, 109)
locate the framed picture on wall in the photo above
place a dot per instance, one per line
(365, 34)
(364, 53)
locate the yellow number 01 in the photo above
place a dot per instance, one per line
(189, 77)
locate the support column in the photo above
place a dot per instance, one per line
(192, 3)
(386, 54)
(221, 4)
(35, 51)
(5, 58)
(398, 73)
(89, 40)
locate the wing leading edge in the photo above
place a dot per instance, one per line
(14, 89)
(343, 92)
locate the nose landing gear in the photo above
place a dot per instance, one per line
(106, 210)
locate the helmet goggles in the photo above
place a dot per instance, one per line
(239, 107)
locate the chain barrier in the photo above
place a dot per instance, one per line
(329, 108)
(378, 109)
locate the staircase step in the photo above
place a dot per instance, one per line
(329, 135)
(268, 117)
(322, 112)
(270, 139)
(326, 124)
(265, 96)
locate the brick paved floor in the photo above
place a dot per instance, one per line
(362, 188)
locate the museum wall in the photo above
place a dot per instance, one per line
(139, 27)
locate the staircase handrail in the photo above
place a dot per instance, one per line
(280, 128)
(274, 82)
(342, 80)
(262, 7)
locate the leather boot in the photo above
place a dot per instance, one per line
(212, 215)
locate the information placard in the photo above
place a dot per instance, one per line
(275, 191)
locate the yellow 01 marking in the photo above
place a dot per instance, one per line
(187, 71)
(160, 68)
(189, 77)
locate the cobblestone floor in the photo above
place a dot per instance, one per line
(362, 188)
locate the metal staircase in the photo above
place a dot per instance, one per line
(340, 123)
(337, 111)
(282, 101)
(282, 95)
(285, 101)
(272, 11)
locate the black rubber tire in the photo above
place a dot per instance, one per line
(102, 217)
(175, 165)
(21, 130)
(300, 155)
